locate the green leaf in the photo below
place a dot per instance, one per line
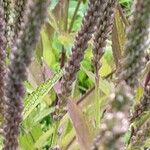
(127, 136)
(43, 113)
(118, 38)
(105, 69)
(28, 136)
(105, 86)
(48, 51)
(81, 125)
(43, 138)
(67, 139)
(139, 93)
(36, 96)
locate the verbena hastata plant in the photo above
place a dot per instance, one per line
(27, 34)
(20, 26)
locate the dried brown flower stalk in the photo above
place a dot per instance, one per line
(19, 9)
(94, 11)
(7, 4)
(103, 29)
(19, 61)
(80, 45)
(2, 57)
(138, 35)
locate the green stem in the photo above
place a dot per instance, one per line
(66, 15)
(74, 16)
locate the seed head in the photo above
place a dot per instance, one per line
(138, 40)
(2, 57)
(19, 60)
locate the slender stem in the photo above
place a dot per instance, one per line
(85, 95)
(66, 15)
(71, 142)
(30, 133)
(63, 51)
(74, 16)
(97, 118)
(2, 60)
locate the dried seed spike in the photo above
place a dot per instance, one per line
(2, 57)
(19, 9)
(138, 40)
(19, 60)
(7, 4)
(103, 29)
(94, 11)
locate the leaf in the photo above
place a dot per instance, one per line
(81, 127)
(89, 73)
(68, 139)
(118, 38)
(29, 136)
(43, 138)
(145, 72)
(39, 51)
(139, 93)
(105, 69)
(36, 96)
(47, 74)
(128, 135)
(144, 118)
(48, 51)
(35, 73)
(105, 86)
(45, 112)
(147, 143)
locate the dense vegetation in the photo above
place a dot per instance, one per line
(74, 74)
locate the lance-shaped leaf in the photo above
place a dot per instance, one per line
(80, 124)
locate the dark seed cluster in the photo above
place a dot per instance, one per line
(19, 10)
(7, 5)
(80, 45)
(2, 57)
(19, 60)
(94, 17)
(137, 42)
(98, 21)
(103, 28)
